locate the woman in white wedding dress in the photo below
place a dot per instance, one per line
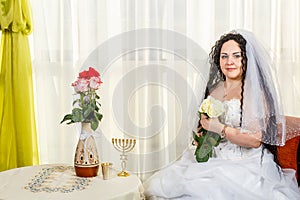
(244, 165)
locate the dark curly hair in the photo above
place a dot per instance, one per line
(215, 61)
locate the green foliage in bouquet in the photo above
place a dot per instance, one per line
(206, 141)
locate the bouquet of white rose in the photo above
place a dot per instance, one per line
(206, 139)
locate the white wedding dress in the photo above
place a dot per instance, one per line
(233, 173)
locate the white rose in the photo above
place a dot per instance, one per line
(212, 107)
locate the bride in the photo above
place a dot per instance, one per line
(244, 165)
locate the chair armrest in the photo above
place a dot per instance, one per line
(287, 154)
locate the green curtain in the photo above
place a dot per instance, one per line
(18, 138)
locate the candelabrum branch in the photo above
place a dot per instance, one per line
(124, 145)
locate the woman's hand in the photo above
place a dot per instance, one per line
(211, 124)
(194, 143)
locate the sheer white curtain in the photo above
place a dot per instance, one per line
(151, 60)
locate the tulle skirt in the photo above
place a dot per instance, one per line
(254, 177)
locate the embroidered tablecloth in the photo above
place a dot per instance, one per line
(59, 182)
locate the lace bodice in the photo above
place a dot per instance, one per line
(226, 149)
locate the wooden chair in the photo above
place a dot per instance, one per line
(289, 154)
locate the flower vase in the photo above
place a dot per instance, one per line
(86, 161)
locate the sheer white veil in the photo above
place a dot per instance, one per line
(261, 102)
(262, 110)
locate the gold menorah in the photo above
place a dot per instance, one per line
(124, 146)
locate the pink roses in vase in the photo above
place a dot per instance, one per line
(87, 105)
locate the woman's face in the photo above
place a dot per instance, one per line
(231, 60)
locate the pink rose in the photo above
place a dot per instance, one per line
(81, 85)
(95, 82)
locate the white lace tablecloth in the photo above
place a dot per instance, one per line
(59, 182)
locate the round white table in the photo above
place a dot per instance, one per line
(59, 182)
